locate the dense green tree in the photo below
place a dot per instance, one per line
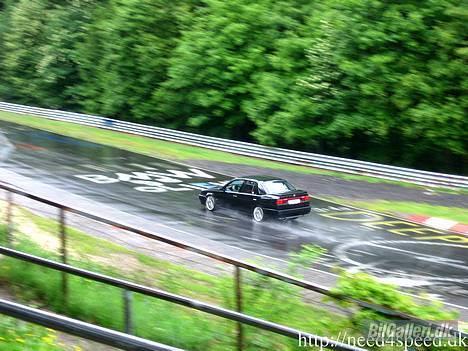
(215, 70)
(4, 20)
(372, 79)
(39, 56)
(21, 43)
(293, 104)
(403, 80)
(59, 65)
(125, 56)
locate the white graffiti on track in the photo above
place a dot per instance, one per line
(155, 181)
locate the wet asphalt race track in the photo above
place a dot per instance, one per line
(397, 251)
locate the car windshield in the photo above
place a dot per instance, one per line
(277, 186)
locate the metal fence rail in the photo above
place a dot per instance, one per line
(237, 264)
(180, 300)
(242, 148)
(81, 329)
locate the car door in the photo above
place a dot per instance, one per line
(231, 193)
(247, 196)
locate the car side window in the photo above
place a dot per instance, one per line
(235, 185)
(261, 190)
(255, 189)
(247, 187)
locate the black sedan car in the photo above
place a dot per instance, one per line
(261, 196)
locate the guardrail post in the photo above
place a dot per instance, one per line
(63, 255)
(238, 289)
(9, 218)
(128, 320)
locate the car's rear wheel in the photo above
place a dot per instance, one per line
(258, 214)
(210, 203)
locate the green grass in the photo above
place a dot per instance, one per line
(143, 145)
(162, 321)
(16, 335)
(364, 287)
(457, 214)
(170, 150)
(151, 271)
(156, 319)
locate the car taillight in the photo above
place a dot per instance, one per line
(282, 201)
(285, 200)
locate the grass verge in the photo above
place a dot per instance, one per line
(16, 335)
(168, 323)
(174, 151)
(155, 319)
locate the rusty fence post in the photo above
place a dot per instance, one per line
(63, 254)
(238, 289)
(128, 320)
(9, 218)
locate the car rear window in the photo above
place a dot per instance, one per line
(277, 186)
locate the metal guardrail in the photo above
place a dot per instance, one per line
(180, 300)
(237, 264)
(249, 149)
(81, 329)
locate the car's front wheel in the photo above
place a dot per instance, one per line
(258, 214)
(210, 203)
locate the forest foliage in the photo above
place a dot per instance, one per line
(380, 80)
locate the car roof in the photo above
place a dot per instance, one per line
(260, 178)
